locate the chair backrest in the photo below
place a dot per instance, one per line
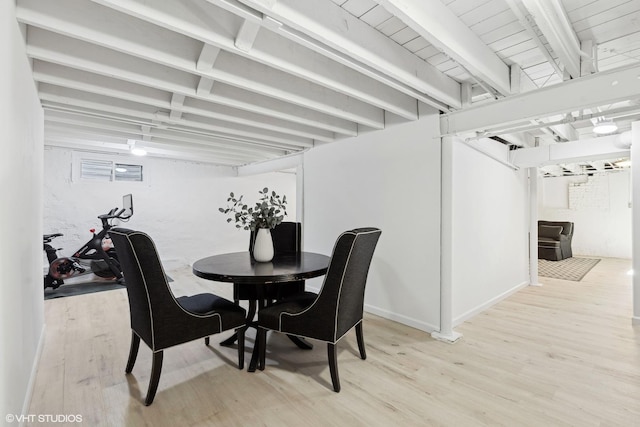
(567, 226)
(287, 238)
(340, 303)
(153, 309)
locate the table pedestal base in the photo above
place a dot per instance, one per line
(251, 312)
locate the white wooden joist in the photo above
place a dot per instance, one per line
(523, 16)
(336, 28)
(221, 114)
(145, 52)
(56, 75)
(606, 147)
(247, 35)
(139, 71)
(267, 50)
(177, 103)
(552, 20)
(207, 57)
(56, 133)
(139, 111)
(604, 88)
(133, 131)
(439, 26)
(72, 132)
(97, 144)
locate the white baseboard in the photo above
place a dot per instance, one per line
(34, 371)
(482, 307)
(451, 338)
(405, 320)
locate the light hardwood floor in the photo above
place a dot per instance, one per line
(563, 354)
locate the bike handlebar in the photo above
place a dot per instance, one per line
(113, 213)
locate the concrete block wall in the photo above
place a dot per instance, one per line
(591, 194)
(176, 204)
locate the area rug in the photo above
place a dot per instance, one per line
(80, 289)
(567, 269)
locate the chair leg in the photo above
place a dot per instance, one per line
(206, 340)
(156, 368)
(240, 333)
(333, 366)
(359, 336)
(133, 352)
(261, 342)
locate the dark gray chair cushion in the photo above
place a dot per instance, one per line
(207, 303)
(550, 231)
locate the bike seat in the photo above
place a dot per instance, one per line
(51, 236)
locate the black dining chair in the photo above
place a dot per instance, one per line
(336, 309)
(287, 240)
(159, 318)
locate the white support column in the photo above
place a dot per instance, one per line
(446, 332)
(533, 227)
(635, 219)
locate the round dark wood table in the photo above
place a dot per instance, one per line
(241, 269)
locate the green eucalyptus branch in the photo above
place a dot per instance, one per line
(268, 212)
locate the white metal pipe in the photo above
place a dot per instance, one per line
(533, 227)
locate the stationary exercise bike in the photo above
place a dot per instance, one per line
(97, 256)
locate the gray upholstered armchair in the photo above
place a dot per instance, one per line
(554, 240)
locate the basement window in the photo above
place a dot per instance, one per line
(106, 170)
(123, 172)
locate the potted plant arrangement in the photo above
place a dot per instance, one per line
(268, 212)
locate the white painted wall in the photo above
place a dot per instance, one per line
(176, 204)
(599, 209)
(388, 179)
(21, 304)
(489, 231)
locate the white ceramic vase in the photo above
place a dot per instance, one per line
(263, 245)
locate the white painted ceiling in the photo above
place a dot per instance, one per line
(235, 82)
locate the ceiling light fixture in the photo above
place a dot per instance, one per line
(625, 163)
(604, 126)
(136, 151)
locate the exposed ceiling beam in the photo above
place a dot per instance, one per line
(57, 75)
(83, 57)
(526, 20)
(603, 88)
(57, 139)
(201, 21)
(606, 147)
(439, 26)
(129, 50)
(554, 24)
(149, 113)
(133, 131)
(335, 29)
